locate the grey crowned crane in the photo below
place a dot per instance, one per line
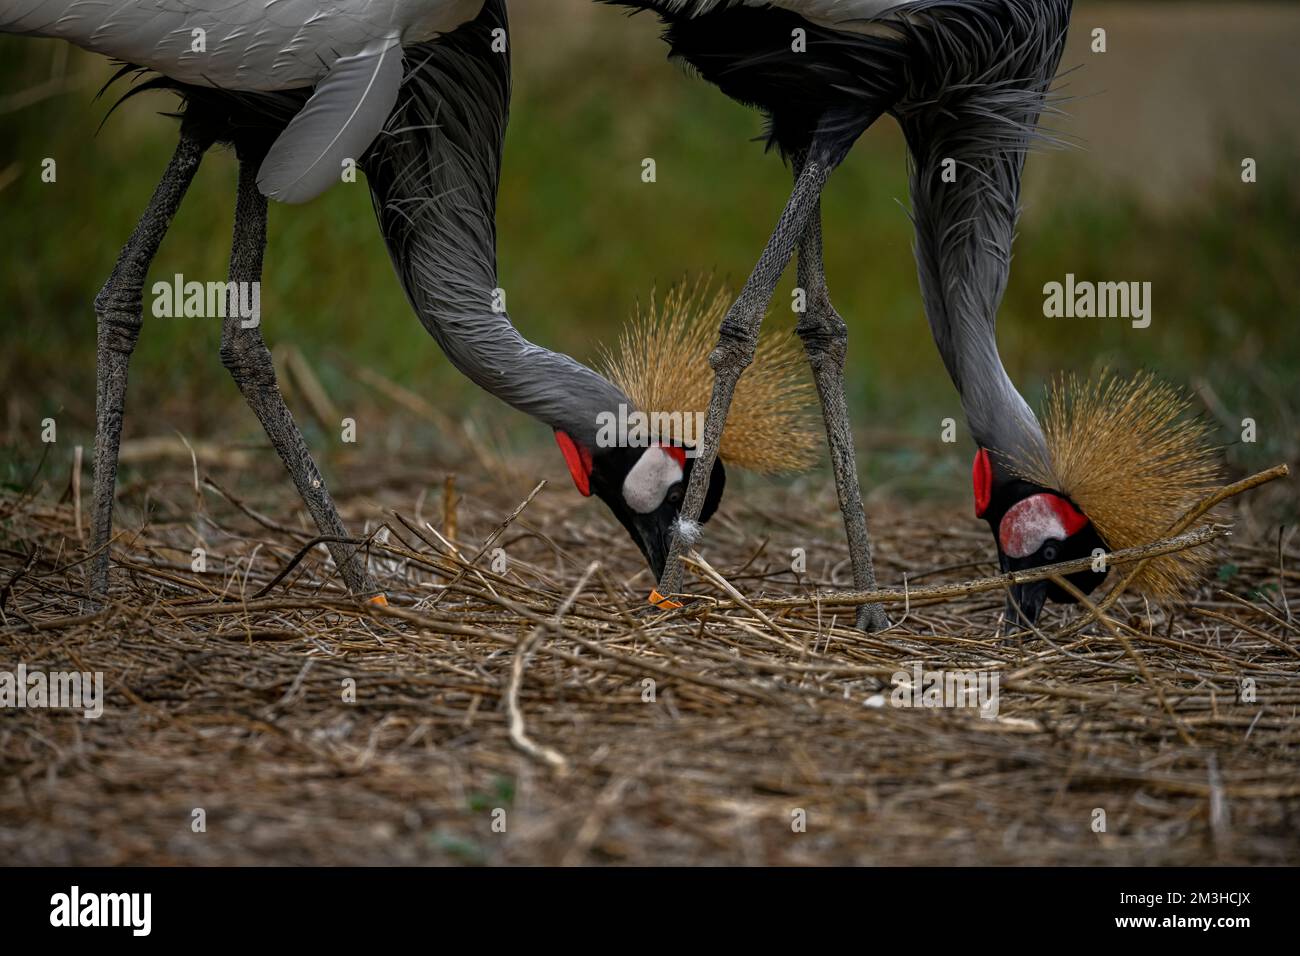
(434, 76)
(967, 81)
(434, 184)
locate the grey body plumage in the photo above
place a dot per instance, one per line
(349, 51)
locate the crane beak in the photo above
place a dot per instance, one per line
(655, 541)
(655, 538)
(1024, 603)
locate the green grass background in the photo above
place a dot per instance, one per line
(1152, 192)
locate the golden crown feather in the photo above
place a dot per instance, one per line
(1135, 458)
(661, 362)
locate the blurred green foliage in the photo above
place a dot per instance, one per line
(582, 237)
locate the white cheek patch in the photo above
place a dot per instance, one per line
(647, 484)
(1027, 524)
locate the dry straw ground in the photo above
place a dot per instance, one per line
(523, 691)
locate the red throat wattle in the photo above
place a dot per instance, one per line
(578, 458)
(982, 477)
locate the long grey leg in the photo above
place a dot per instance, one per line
(118, 311)
(825, 337)
(245, 355)
(737, 339)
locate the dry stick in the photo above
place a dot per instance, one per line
(434, 547)
(634, 666)
(1265, 612)
(194, 470)
(698, 561)
(639, 667)
(934, 593)
(491, 539)
(620, 606)
(454, 553)
(1177, 541)
(446, 551)
(518, 736)
(261, 519)
(309, 386)
(449, 501)
(1281, 574)
(443, 546)
(191, 583)
(19, 575)
(307, 548)
(1177, 528)
(455, 561)
(614, 662)
(314, 603)
(63, 623)
(76, 491)
(1043, 658)
(1249, 628)
(1130, 650)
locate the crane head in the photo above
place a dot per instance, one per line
(661, 363)
(643, 487)
(1034, 527)
(1122, 461)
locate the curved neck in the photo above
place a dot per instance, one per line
(967, 144)
(433, 177)
(963, 253)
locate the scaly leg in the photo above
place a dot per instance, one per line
(118, 311)
(825, 337)
(245, 355)
(737, 339)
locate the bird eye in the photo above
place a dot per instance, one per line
(1050, 551)
(675, 496)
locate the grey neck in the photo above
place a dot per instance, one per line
(963, 253)
(964, 234)
(996, 65)
(433, 175)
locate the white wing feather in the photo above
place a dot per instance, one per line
(340, 120)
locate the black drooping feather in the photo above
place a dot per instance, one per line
(249, 121)
(837, 82)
